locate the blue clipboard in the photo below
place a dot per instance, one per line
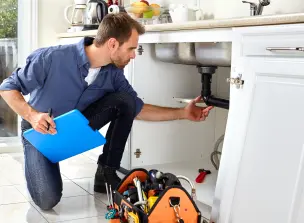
(74, 136)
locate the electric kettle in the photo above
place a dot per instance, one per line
(96, 10)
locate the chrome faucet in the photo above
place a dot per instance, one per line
(257, 9)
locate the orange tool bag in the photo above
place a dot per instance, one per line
(158, 202)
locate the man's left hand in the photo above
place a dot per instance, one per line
(195, 113)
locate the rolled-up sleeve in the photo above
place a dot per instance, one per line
(122, 84)
(31, 76)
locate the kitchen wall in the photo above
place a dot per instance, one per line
(235, 8)
(52, 22)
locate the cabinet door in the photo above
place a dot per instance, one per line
(239, 111)
(270, 181)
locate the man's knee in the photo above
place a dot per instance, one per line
(47, 200)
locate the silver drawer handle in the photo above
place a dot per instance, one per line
(285, 48)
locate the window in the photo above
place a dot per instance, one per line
(8, 61)
(18, 38)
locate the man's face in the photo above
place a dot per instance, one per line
(121, 55)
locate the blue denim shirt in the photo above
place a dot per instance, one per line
(55, 78)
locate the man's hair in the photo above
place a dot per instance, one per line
(118, 26)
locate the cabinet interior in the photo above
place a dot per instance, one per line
(181, 147)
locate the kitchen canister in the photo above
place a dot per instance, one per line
(181, 13)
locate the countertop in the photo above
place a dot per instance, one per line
(212, 23)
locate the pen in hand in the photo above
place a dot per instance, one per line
(50, 112)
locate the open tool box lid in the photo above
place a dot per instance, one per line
(162, 210)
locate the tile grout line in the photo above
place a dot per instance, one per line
(90, 193)
(97, 216)
(24, 202)
(82, 187)
(29, 202)
(39, 212)
(13, 186)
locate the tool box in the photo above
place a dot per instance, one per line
(152, 197)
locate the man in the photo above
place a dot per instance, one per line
(87, 76)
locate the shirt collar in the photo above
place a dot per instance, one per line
(82, 58)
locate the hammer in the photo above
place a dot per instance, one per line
(202, 174)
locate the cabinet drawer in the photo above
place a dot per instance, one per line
(273, 44)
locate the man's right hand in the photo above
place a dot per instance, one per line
(39, 122)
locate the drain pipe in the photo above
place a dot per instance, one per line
(206, 79)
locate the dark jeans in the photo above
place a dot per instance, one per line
(43, 177)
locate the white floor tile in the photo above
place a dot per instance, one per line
(76, 160)
(11, 169)
(19, 157)
(15, 176)
(23, 190)
(78, 171)
(78, 167)
(88, 185)
(20, 213)
(77, 205)
(12, 166)
(10, 195)
(74, 208)
(70, 189)
(7, 161)
(93, 154)
(89, 220)
(63, 177)
(4, 181)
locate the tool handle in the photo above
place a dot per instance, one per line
(200, 178)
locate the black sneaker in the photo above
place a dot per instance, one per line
(105, 174)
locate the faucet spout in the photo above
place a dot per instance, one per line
(261, 6)
(257, 9)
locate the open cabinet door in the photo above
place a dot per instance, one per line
(261, 177)
(271, 172)
(239, 111)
